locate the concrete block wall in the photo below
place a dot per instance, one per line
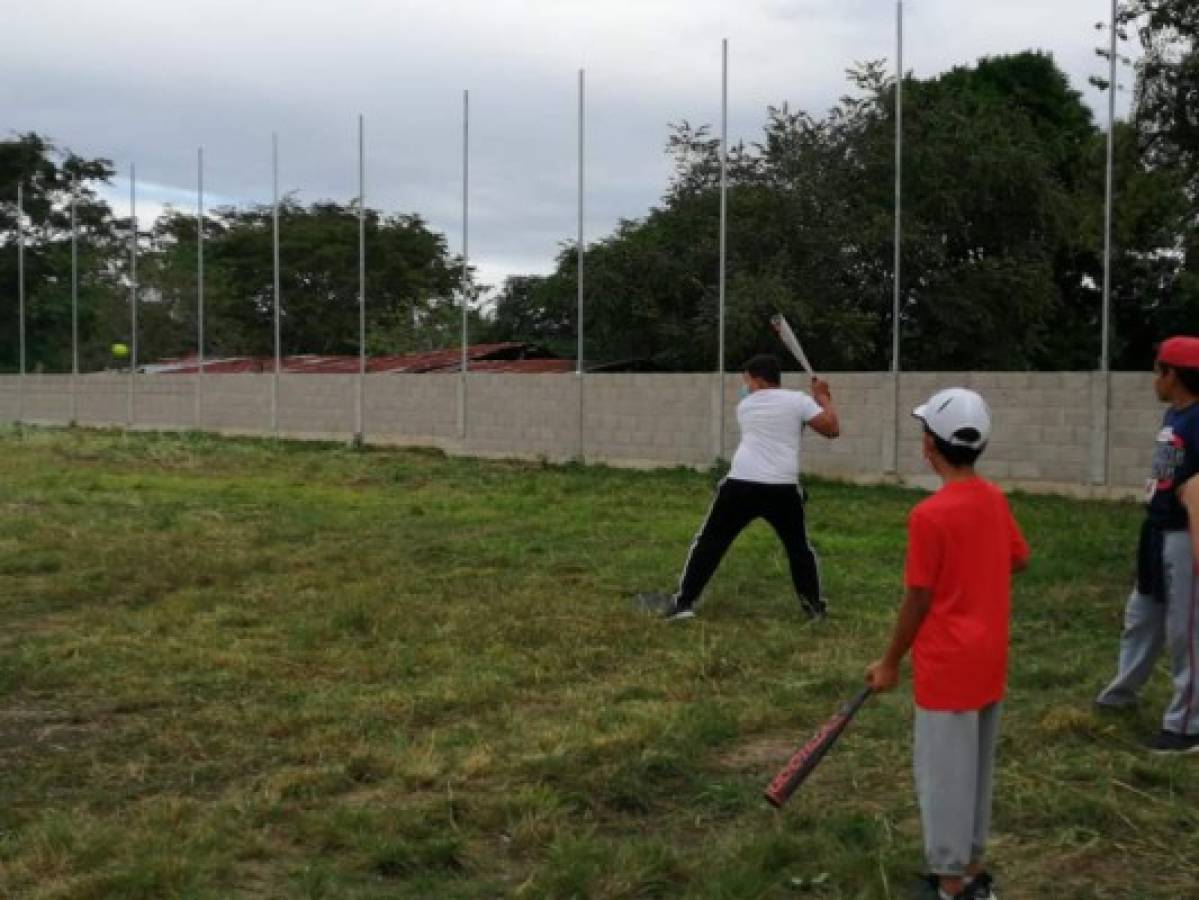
(1135, 420)
(523, 415)
(1049, 427)
(234, 404)
(650, 419)
(321, 407)
(1042, 424)
(9, 399)
(50, 399)
(863, 402)
(411, 409)
(164, 403)
(103, 400)
(47, 398)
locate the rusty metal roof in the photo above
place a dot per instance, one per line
(510, 356)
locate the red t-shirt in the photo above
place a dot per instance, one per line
(962, 543)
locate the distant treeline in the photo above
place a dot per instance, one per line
(1004, 170)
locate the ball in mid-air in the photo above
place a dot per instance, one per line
(120, 351)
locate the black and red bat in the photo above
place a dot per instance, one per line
(808, 757)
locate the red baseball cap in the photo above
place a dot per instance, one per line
(1180, 352)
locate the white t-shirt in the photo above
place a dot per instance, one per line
(771, 421)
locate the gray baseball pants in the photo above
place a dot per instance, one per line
(1151, 625)
(954, 762)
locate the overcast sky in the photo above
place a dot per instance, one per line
(148, 81)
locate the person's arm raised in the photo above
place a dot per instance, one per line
(826, 423)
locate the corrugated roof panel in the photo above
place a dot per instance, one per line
(510, 356)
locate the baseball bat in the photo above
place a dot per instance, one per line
(792, 342)
(808, 757)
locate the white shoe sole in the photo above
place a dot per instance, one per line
(1188, 751)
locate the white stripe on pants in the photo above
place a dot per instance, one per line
(954, 762)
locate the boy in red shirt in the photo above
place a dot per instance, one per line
(963, 546)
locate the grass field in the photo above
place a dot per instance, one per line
(246, 669)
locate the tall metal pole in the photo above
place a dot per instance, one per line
(360, 384)
(74, 300)
(465, 257)
(199, 286)
(132, 292)
(275, 259)
(579, 246)
(1105, 338)
(724, 192)
(21, 300)
(898, 240)
(582, 172)
(1104, 361)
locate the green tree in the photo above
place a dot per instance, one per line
(1002, 241)
(1166, 121)
(994, 188)
(412, 287)
(1166, 107)
(48, 176)
(525, 309)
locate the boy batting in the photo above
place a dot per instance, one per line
(1164, 606)
(963, 546)
(763, 482)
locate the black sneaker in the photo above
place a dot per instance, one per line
(928, 887)
(924, 887)
(980, 887)
(1173, 742)
(677, 612)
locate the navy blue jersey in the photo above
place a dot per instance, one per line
(1175, 459)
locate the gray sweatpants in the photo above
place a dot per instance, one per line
(1150, 625)
(954, 760)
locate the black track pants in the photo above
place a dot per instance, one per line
(736, 504)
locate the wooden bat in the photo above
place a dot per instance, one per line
(808, 757)
(791, 342)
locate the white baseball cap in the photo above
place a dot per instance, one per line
(958, 416)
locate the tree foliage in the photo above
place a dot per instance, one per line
(48, 177)
(414, 285)
(1167, 97)
(1003, 233)
(1002, 254)
(1166, 121)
